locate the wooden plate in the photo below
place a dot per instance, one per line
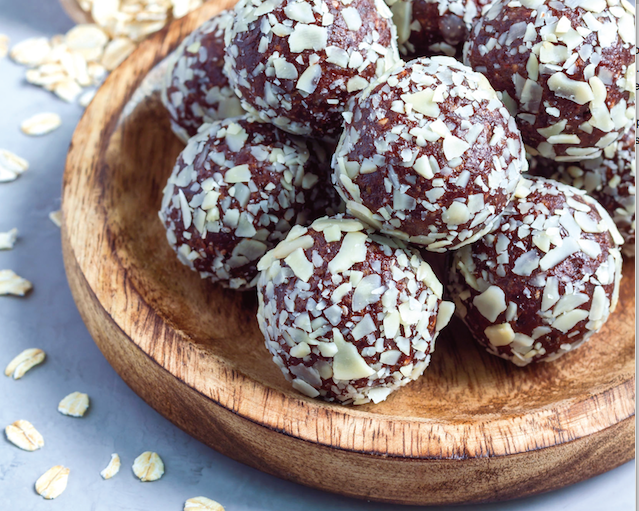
(474, 428)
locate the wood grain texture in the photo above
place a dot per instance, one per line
(474, 428)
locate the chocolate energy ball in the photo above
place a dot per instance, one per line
(236, 190)
(195, 89)
(434, 27)
(429, 154)
(348, 315)
(610, 179)
(566, 68)
(545, 280)
(295, 62)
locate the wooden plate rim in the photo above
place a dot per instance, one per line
(83, 250)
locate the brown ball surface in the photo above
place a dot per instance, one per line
(295, 63)
(610, 179)
(429, 154)
(348, 315)
(565, 68)
(235, 191)
(434, 27)
(196, 90)
(545, 280)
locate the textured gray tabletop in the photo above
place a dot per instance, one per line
(118, 420)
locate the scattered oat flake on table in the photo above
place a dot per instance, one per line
(112, 468)
(23, 362)
(8, 239)
(86, 98)
(31, 52)
(148, 466)
(41, 124)
(56, 217)
(53, 482)
(87, 39)
(11, 165)
(75, 404)
(4, 45)
(22, 434)
(67, 90)
(12, 284)
(202, 504)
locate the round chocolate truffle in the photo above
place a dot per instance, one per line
(545, 280)
(296, 62)
(610, 179)
(429, 154)
(348, 315)
(434, 27)
(565, 68)
(195, 89)
(236, 190)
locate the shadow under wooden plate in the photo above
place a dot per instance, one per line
(474, 428)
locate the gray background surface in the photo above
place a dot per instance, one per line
(118, 420)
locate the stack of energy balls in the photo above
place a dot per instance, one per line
(324, 170)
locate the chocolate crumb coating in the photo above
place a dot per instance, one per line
(434, 27)
(565, 68)
(429, 154)
(348, 315)
(545, 280)
(295, 63)
(610, 179)
(196, 90)
(236, 190)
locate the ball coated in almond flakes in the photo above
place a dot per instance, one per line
(545, 280)
(565, 68)
(295, 63)
(429, 154)
(348, 315)
(196, 91)
(236, 190)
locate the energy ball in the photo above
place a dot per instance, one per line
(545, 280)
(296, 62)
(236, 190)
(348, 315)
(610, 179)
(565, 68)
(429, 154)
(434, 27)
(196, 91)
